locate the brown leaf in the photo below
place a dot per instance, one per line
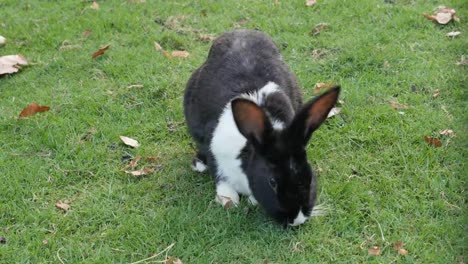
(32, 109)
(133, 163)
(86, 33)
(398, 106)
(318, 28)
(143, 172)
(374, 251)
(436, 93)
(63, 205)
(433, 141)
(402, 251)
(94, 5)
(442, 15)
(446, 132)
(319, 87)
(177, 261)
(397, 245)
(11, 63)
(311, 2)
(334, 111)
(180, 54)
(100, 51)
(130, 141)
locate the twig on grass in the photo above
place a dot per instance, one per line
(58, 255)
(380, 228)
(152, 257)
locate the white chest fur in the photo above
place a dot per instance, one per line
(227, 143)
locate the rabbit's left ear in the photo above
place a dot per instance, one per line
(251, 121)
(311, 116)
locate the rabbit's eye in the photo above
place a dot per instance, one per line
(273, 184)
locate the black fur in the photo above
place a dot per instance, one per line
(275, 162)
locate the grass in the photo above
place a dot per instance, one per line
(382, 181)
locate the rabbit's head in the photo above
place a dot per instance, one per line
(280, 176)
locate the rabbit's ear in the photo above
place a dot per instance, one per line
(311, 116)
(251, 121)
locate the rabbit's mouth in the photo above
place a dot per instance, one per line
(299, 219)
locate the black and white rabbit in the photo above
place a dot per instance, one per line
(244, 110)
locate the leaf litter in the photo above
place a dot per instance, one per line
(100, 51)
(433, 141)
(130, 141)
(32, 109)
(146, 170)
(11, 63)
(398, 246)
(65, 205)
(311, 2)
(374, 251)
(443, 15)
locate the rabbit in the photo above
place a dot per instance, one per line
(243, 108)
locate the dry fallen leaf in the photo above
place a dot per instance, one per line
(143, 172)
(402, 251)
(398, 106)
(100, 51)
(94, 5)
(133, 163)
(443, 15)
(319, 87)
(433, 141)
(180, 54)
(130, 141)
(318, 28)
(453, 34)
(311, 2)
(11, 63)
(63, 205)
(206, 37)
(172, 260)
(398, 246)
(45, 242)
(446, 132)
(436, 93)
(374, 251)
(177, 261)
(334, 111)
(32, 109)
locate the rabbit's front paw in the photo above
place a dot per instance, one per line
(226, 195)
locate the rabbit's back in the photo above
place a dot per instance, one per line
(239, 62)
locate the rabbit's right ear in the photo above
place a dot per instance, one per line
(251, 121)
(311, 116)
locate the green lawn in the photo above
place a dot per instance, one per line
(382, 182)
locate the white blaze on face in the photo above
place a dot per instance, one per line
(300, 219)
